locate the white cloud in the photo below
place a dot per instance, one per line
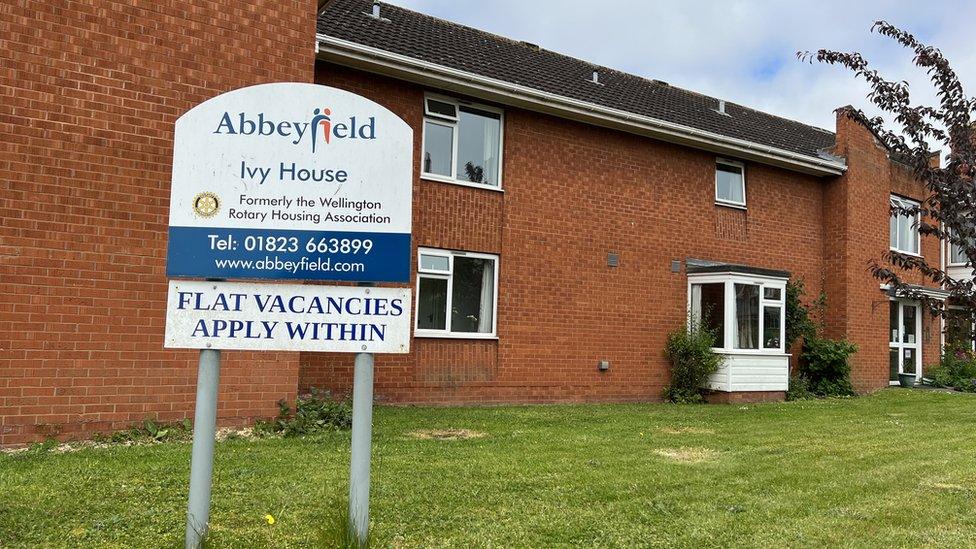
(739, 50)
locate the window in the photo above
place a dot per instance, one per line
(730, 183)
(462, 143)
(903, 233)
(745, 312)
(957, 256)
(456, 294)
(708, 308)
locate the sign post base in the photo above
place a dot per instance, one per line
(204, 439)
(362, 432)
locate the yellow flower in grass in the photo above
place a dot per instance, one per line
(269, 518)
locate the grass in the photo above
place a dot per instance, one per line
(894, 469)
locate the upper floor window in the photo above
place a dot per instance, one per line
(730, 183)
(956, 255)
(462, 142)
(456, 293)
(904, 236)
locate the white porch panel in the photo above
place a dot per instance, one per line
(751, 372)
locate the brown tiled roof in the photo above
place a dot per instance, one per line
(458, 47)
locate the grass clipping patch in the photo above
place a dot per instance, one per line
(688, 455)
(446, 434)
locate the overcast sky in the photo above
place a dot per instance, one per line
(739, 50)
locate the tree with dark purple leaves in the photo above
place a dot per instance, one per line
(949, 211)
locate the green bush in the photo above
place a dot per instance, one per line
(957, 369)
(800, 323)
(149, 431)
(799, 389)
(314, 412)
(692, 362)
(825, 364)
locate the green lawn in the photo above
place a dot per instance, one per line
(894, 469)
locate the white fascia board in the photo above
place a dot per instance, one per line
(344, 52)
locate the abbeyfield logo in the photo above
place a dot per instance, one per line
(321, 129)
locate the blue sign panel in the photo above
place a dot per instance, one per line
(284, 254)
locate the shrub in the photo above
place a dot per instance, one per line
(799, 389)
(939, 376)
(149, 431)
(692, 362)
(314, 412)
(957, 368)
(826, 366)
(799, 323)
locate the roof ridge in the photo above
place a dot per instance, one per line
(537, 47)
(458, 47)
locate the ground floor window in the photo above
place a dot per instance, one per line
(744, 312)
(456, 293)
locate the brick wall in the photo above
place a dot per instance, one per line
(89, 92)
(856, 212)
(573, 193)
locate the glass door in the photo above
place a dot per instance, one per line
(904, 340)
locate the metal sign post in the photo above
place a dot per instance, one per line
(204, 438)
(362, 432)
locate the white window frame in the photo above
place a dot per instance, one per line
(904, 203)
(734, 164)
(728, 321)
(453, 122)
(950, 262)
(449, 277)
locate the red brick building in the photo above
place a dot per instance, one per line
(566, 216)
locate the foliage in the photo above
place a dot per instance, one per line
(37, 449)
(799, 323)
(799, 389)
(476, 174)
(336, 530)
(957, 369)
(826, 366)
(692, 362)
(314, 412)
(150, 431)
(948, 213)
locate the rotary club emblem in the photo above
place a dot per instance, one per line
(206, 204)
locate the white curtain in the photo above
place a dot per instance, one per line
(485, 311)
(492, 126)
(696, 308)
(746, 316)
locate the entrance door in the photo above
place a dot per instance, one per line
(905, 345)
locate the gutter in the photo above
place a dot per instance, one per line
(352, 54)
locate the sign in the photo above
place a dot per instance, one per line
(287, 317)
(291, 181)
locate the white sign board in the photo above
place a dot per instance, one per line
(291, 181)
(287, 317)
